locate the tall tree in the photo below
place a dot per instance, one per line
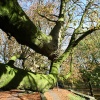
(73, 14)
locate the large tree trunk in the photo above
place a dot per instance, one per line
(12, 77)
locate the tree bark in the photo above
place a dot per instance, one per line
(12, 77)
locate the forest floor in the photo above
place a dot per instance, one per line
(54, 94)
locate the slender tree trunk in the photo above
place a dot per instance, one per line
(90, 87)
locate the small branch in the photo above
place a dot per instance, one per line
(54, 15)
(47, 18)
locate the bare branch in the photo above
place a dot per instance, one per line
(47, 18)
(83, 16)
(54, 15)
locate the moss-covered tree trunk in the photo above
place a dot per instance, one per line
(12, 77)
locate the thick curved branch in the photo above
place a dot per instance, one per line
(13, 20)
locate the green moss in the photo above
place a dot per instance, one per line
(61, 20)
(14, 57)
(6, 78)
(3, 11)
(58, 62)
(75, 97)
(19, 78)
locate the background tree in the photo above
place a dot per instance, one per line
(86, 62)
(87, 56)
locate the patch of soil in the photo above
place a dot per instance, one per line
(53, 94)
(19, 95)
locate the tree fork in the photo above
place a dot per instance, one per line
(16, 23)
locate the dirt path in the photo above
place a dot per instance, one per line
(57, 94)
(53, 95)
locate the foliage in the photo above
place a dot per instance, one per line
(87, 57)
